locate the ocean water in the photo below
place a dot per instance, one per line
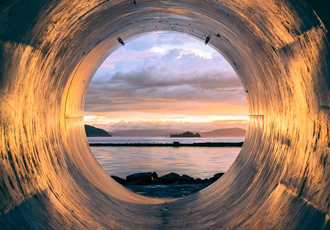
(198, 162)
(160, 140)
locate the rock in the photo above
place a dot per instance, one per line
(208, 181)
(185, 179)
(170, 178)
(156, 181)
(216, 176)
(154, 176)
(151, 178)
(144, 178)
(137, 182)
(119, 180)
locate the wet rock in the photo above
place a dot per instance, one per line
(151, 178)
(216, 176)
(154, 175)
(137, 182)
(208, 181)
(144, 178)
(119, 179)
(156, 181)
(170, 178)
(185, 179)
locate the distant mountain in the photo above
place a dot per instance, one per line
(231, 132)
(92, 131)
(186, 134)
(143, 132)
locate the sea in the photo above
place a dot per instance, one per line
(198, 162)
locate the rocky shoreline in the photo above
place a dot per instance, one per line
(171, 185)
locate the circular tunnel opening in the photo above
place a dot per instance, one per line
(50, 51)
(165, 115)
(237, 42)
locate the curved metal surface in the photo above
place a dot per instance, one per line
(49, 51)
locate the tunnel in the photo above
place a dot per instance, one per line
(49, 51)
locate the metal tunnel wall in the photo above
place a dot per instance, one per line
(49, 51)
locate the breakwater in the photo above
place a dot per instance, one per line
(174, 144)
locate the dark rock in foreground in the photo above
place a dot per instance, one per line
(187, 179)
(169, 185)
(141, 178)
(216, 176)
(170, 178)
(151, 178)
(119, 180)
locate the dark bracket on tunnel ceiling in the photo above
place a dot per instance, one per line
(120, 41)
(207, 39)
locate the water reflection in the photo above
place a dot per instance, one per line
(198, 162)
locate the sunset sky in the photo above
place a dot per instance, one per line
(160, 81)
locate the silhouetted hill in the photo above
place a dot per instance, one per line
(231, 132)
(92, 131)
(142, 132)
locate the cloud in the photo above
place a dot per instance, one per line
(184, 79)
(168, 39)
(126, 58)
(188, 78)
(152, 125)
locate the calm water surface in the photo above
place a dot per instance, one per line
(159, 140)
(202, 162)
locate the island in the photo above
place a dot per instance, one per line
(186, 134)
(92, 131)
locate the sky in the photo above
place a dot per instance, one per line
(162, 81)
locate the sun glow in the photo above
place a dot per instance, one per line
(207, 119)
(185, 119)
(166, 81)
